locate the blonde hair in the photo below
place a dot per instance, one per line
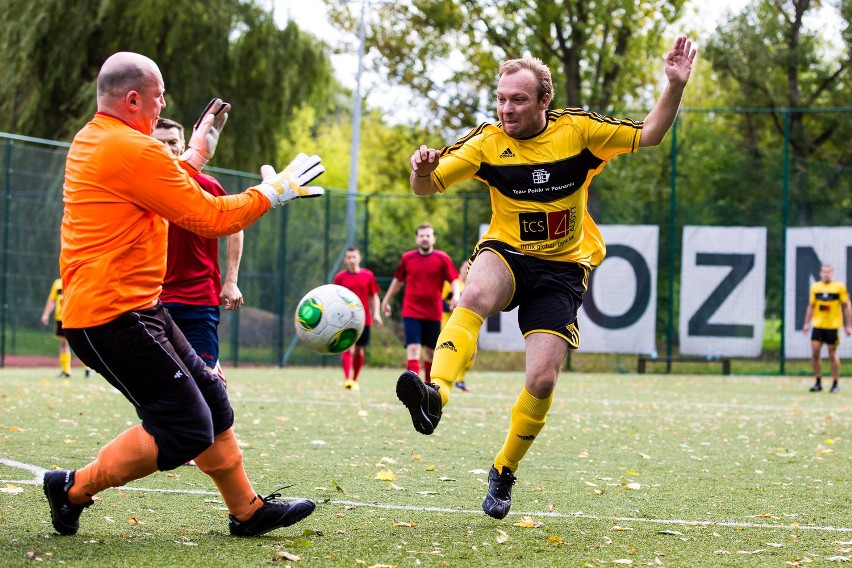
(538, 68)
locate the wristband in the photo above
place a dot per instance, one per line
(418, 175)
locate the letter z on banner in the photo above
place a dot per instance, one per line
(722, 296)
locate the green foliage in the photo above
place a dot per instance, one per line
(52, 51)
(600, 54)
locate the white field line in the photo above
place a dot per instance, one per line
(38, 473)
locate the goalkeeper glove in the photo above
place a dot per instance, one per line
(205, 134)
(290, 183)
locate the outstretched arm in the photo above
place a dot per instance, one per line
(678, 67)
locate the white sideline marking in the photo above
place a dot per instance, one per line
(39, 474)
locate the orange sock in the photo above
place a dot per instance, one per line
(131, 455)
(223, 462)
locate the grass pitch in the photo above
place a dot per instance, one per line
(641, 470)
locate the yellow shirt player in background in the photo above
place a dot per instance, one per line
(829, 302)
(54, 304)
(447, 295)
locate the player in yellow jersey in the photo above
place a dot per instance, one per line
(541, 244)
(54, 304)
(829, 303)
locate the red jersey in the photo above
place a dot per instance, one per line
(424, 276)
(192, 268)
(364, 284)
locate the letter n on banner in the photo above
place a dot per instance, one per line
(722, 291)
(809, 248)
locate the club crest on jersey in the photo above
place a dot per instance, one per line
(540, 176)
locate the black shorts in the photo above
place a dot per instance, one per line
(145, 356)
(830, 337)
(421, 332)
(58, 331)
(364, 339)
(547, 293)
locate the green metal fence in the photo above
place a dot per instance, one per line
(703, 174)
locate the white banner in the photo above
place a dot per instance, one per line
(722, 292)
(619, 310)
(807, 250)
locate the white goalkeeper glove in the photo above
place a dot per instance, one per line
(205, 134)
(290, 183)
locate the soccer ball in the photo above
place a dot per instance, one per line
(329, 319)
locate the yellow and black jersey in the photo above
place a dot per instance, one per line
(56, 296)
(539, 185)
(828, 301)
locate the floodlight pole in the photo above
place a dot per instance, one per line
(352, 192)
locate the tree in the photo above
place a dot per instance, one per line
(599, 53)
(767, 57)
(52, 51)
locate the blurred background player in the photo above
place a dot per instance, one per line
(829, 302)
(423, 271)
(193, 288)
(461, 384)
(54, 304)
(363, 283)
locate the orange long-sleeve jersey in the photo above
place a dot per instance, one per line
(121, 189)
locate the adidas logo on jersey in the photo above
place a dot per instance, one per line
(447, 345)
(507, 153)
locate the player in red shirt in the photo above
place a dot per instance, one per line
(362, 281)
(423, 271)
(193, 289)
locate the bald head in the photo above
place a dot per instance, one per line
(125, 71)
(130, 87)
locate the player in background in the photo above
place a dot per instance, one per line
(54, 304)
(541, 244)
(423, 272)
(828, 304)
(363, 283)
(121, 190)
(193, 288)
(447, 293)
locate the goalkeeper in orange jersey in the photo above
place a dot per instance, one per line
(541, 245)
(122, 189)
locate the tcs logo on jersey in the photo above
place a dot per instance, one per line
(542, 226)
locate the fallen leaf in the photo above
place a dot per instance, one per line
(430, 468)
(403, 524)
(838, 558)
(633, 486)
(385, 475)
(286, 555)
(625, 561)
(448, 479)
(135, 521)
(556, 539)
(758, 551)
(677, 533)
(12, 489)
(528, 523)
(618, 528)
(502, 537)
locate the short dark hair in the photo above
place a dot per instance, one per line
(424, 226)
(352, 249)
(167, 123)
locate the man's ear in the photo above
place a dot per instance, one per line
(131, 99)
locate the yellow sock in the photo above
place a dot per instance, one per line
(528, 416)
(456, 345)
(65, 362)
(465, 369)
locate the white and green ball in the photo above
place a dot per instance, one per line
(329, 319)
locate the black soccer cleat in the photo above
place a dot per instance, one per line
(835, 388)
(273, 515)
(422, 401)
(499, 498)
(64, 514)
(816, 388)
